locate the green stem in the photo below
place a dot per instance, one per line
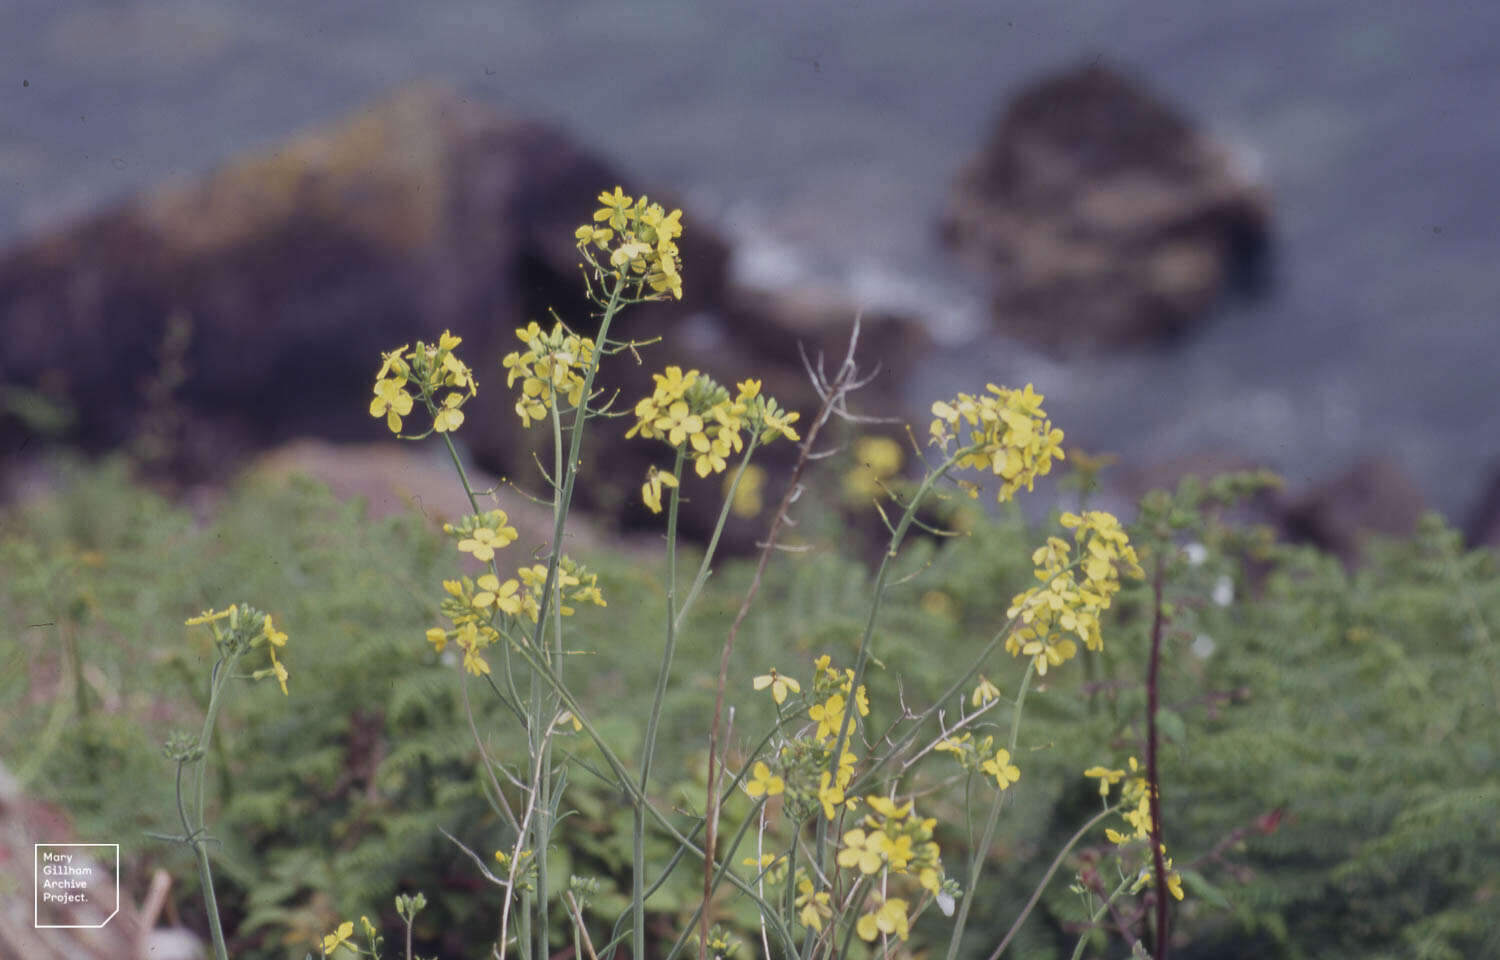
(220, 674)
(713, 541)
(638, 838)
(1093, 920)
(1036, 895)
(205, 877)
(628, 783)
(978, 854)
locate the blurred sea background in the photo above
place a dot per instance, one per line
(822, 139)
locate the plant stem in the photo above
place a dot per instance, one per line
(1036, 895)
(1083, 938)
(217, 679)
(638, 838)
(978, 854)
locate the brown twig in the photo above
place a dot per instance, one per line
(1153, 779)
(833, 393)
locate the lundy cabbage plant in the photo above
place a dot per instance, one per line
(836, 855)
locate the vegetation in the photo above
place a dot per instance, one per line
(1325, 742)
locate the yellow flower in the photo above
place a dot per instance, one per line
(779, 685)
(340, 938)
(1106, 778)
(391, 402)
(438, 637)
(780, 422)
(207, 616)
(888, 918)
(764, 782)
(954, 745)
(863, 850)
(828, 716)
(1000, 767)
(984, 692)
(812, 905)
(567, 717)
(280, 671)
(273, 636)
(449, 417)
(616, 208)
(651, 489)
(830, 795)
(474, 663)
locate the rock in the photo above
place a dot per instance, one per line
(1483, 527)
(1101, 216)
(210, 319)
(1373, 497)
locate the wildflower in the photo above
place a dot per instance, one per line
(957, 746)
(470, 642)
(1107, 777)
(888, 918)
(391, 401)
(812, 905)
(616, 208)
(1003, 431)
(779, 685)
(207, 616)
(984, 693)
(644, 251)
(1000, 767)
(830, 795)
(829, 716)
(651, 489)
(568, 717)
(863, 850)
(449, 417)
(438, 637)
(779, 422)
(1147, 877)
(340, 938)
(764, 782)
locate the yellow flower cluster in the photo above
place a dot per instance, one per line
(1004, 431)
(1135, 810)
(472, 605)
(241, 628)
(831, 690)
(802, 767)
(553, 365)
(982, 756)
(482, 534)
(695, 415)
(427, 368)
(637, 240)
(893, 841)
(1063, 604)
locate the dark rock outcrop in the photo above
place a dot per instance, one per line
(1101, 216)
(250, 307)
(1483, 526)
(1375, 496)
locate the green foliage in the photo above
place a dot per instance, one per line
(1356, 713)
